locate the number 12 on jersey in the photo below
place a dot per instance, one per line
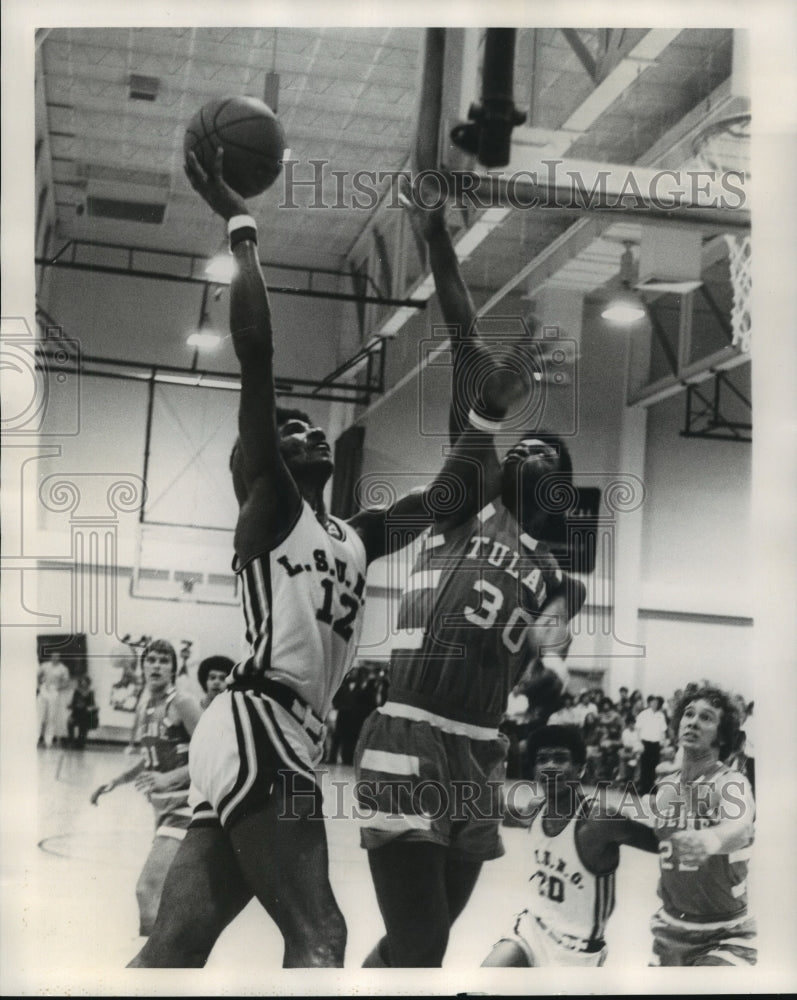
(343, 624)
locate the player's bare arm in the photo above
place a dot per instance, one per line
(122, 779)
(460, 476)
(187, 710)
(735, 807)
(272, 500)
(606, 829)
(163, 781)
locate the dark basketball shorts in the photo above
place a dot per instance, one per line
(426, 778)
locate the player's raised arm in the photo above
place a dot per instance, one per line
(257, 456)
(453, 496)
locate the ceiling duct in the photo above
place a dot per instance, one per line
(126, 211)
(143, 88)
(124, 193)
(98, 174)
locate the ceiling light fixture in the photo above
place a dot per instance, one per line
(271, 90)
(625, 306)
(221, 268)
(204, 339)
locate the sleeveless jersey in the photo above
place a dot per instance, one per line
(716, 890)
(303, 608)
(164, 746)
(164, 743)
(473, 592)
(571, 902)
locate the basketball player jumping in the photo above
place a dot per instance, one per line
(165, 720)
(486, 597)
(259, 830)
(573, 851)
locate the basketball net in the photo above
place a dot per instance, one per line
(184, 563)
(725, 146)
(739, 259)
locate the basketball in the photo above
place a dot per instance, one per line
(252, 138)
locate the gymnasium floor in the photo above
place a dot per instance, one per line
(89, 857)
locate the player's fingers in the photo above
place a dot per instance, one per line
(218, 164)
(193, 170)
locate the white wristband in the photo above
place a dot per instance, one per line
(240, 222)
(489, 426)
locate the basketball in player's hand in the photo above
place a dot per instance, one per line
(506, 380)
(252, 138)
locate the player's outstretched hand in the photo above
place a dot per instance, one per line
(212, 188)
(151, 781)
(102, 790)
(690, 847)
(507, 377)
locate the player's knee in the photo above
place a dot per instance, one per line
(320, 945)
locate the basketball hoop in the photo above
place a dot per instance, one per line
(174, 562)
(723, 146)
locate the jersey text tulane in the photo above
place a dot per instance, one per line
(317, 575)
(464, 615)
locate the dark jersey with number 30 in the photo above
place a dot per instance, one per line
(462, 630)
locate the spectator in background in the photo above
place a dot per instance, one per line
(672, 702)
(381, 686)
(54, 684)
(608, 738)
(567, 714)
(83, 712)
(630, 750)
(652, 728)
(586, 710)
(212, 675)
(344, 738)
(637, 702)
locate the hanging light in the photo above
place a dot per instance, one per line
(221, 268)
(204, 339)
(625, 306)
(271, 90)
